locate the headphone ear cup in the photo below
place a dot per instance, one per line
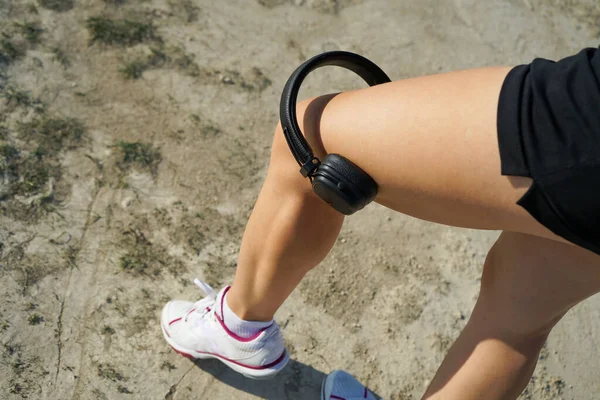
(343, 185)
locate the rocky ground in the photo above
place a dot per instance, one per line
(134, 137)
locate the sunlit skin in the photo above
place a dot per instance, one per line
(431, 145)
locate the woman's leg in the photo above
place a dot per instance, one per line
(431, 145)
(528, 284)
(429, 142)
(289, 232)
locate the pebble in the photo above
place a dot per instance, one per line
(126, 202)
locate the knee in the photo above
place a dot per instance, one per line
(282, 163)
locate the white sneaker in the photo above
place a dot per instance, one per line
(196, 330)
(340, 385)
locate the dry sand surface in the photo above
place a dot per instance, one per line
(134, 139)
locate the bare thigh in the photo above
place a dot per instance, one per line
(528, 284)
(431, 144)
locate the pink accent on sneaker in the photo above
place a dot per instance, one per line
(188, 314)
(222, 300)
(333, 396)
(255, 367)
(365, 395)
(183, 353)
(237, 337)
(221, 319)
(175, 320)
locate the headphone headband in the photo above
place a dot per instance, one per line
(361, 66)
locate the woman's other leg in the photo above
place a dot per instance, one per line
(528, 284)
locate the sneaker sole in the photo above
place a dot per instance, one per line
(252, 373)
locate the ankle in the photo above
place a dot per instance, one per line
(241, 327)
(244, 310)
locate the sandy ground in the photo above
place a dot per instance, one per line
(130, 165)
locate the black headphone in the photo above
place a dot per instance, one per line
(337, 180)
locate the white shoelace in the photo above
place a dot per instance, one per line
(204, 305)
(206, 288)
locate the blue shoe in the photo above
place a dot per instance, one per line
(340, 385)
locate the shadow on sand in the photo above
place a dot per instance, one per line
(297, 381)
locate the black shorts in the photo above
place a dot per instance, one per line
(549, 130)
